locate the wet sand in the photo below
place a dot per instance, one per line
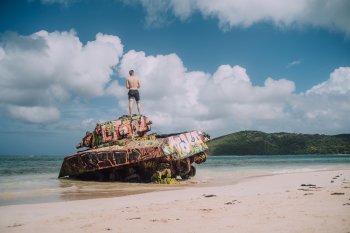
(43, 189)
(315, 201)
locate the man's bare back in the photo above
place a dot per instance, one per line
(132, 83)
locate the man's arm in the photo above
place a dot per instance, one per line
(138, 84)
(127, 84)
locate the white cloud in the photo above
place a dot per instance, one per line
(34, 114)
(165, 88)
(331, 14)
(226, 101)
(293, 63)
(325, 107)
(339, 83)
(43, 69)
(42, 72)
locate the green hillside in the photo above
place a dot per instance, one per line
(260, 143)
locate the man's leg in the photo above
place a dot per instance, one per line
(130, 107)
(139, 107)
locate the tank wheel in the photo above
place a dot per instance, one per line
(133, 178)
(132, 175)
(190, 174)
(200, 158)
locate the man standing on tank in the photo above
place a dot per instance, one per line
(133, 84)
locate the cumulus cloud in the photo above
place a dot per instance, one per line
(326, 106)
(331, 14)
(338, 83)
(165, 88)
(226, 101)
(43, 69)
(34, 114)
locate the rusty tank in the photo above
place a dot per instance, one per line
(122, 150)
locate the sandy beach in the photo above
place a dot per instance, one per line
(314, 201)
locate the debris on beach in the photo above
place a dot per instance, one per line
(306, 194)
(206, 210)
(337, 193)
(309, 187)
(232, 202)
(209, 195)
(135, 218)
(121, 150)
(15, 225)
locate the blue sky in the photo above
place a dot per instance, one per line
(218, 66)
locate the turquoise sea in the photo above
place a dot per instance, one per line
(33, 179)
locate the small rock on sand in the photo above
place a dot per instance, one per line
(209, 195)
(337, 193)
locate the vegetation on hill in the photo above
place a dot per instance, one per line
(260, 143)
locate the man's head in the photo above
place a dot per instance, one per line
(131, 72)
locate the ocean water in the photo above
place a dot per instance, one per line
(232, 169)
(33, 179)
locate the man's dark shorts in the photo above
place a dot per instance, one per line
(134, 94)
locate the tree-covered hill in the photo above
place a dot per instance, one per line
(260, 143)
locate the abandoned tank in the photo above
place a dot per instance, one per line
(122, 150)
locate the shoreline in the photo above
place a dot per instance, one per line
(89, 190)
(44, 186)
(312, 201)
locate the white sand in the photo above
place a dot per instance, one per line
(262, 204)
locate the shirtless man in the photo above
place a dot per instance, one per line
(133, 84)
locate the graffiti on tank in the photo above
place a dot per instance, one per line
(146, 153)
(184, 145)
(92, 161)
(150, 153)
(114, 130)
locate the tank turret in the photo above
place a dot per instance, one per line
(111, 131)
